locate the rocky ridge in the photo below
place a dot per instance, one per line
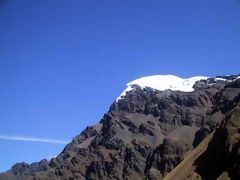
(146, 134)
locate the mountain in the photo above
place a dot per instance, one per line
(159, 127)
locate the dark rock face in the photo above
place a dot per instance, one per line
(222, 157)
(146, 134)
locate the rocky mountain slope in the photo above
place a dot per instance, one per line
(149, 131)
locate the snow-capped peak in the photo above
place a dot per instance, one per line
(164, 82)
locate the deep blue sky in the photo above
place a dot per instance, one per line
(63, 62)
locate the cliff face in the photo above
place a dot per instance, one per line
(222, 156)
(147, 133)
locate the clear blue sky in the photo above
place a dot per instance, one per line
(63, 62)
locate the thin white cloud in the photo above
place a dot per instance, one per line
(33, 139)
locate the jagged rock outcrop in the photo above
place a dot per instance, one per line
(224, 148)
(146, 134)
(217, 156)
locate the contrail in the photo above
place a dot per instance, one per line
(33, 139)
